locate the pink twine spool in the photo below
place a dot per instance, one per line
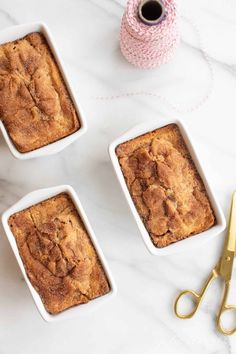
(146, 45)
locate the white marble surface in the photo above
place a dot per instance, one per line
(140, 319)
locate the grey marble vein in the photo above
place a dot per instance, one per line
(11, 19)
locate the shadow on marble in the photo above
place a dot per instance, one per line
(7, 256)
(2, 140)
(4, 149)
(108, 185)
(112, 197)
(14, 295)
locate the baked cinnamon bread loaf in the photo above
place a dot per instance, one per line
(165, 186)
(35, 106)
(58, 255)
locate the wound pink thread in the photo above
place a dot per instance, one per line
(149, 46)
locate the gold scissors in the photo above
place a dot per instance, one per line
(223, 269)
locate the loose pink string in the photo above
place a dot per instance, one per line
(175, 107)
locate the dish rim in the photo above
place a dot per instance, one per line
(19, 31)
(31, 199)
(187, 243)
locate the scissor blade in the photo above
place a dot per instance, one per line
(230, 239)
(227, 258)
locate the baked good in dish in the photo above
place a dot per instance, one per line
(35, 106)
(165, 186)
(58, 255)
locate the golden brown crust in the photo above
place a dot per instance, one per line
(58, 254)
(165, 186)
(35, 105)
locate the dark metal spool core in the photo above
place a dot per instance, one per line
(151, 12)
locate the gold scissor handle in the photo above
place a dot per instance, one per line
(196, 297)
(224, 307)
(196, 300)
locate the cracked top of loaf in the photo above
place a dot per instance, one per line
(58, 254)
(35, 106)
(165, 186)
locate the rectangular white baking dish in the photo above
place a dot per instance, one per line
(17, 32)
(187, 243)
(37, 197)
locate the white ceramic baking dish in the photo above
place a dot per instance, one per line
(187, 243)
(14, 33)
(37, 197)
